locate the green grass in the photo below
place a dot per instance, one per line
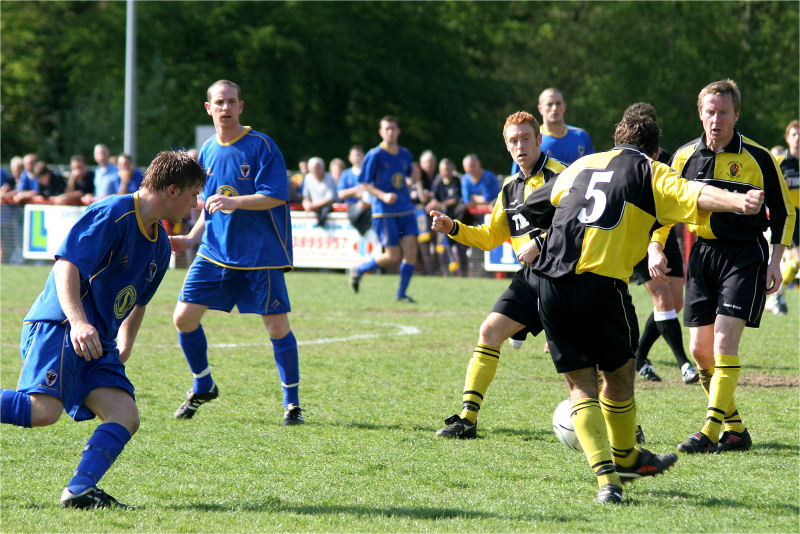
(378, 378)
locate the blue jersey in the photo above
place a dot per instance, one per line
(488, 187)
(347, 179)
(388, 172)
(137, 177)
(119, 264)
(246, 239)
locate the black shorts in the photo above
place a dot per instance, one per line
(589, 321)
(672, 251)
(726, 278)
(520, 302)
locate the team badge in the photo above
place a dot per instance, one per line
(734, 168)
(50, 377)
(398, 180)
(580, 150)
(227, 191)
(245, 168)
(151, 271)
(124, 302)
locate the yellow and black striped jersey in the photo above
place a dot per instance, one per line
(741, 166)
(791, 174)
(601, 209)
(507, 221)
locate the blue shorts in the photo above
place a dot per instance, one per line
(261, 291)
(50, 365)
(391, 229)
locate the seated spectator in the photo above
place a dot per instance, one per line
(479, 187)
(350, 190)
(296, 182)
(106, 173)
(420, 188)
(447, 199)
(80, 184)
(319, 190)
(27, 180)
(130, 178)
(336, 168)
(48, 184)
(10, 181)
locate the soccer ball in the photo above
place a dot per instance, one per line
(562, 426)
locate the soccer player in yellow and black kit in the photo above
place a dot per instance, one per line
(791, 174)
(602, 209)
(730, 270)
(516, 310)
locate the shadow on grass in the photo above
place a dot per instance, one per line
(724, 502)
(274, 505)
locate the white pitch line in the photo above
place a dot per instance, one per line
(402, 331)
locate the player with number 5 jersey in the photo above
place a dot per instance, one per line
(600, 211)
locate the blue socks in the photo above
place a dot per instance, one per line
(286, 359)
(406, 272)
(101, 450)
(15, 408)
(195, 346)
(368, 266)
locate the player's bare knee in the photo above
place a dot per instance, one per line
(45, 410)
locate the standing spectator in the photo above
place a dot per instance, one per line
(516, 312)
(80, 184)
(106, 174)
(130, 177)
(789, 167)
(27, 180)
(80, 331)
(336, 168)
(729, 271)
(350, 190)
(245, 237)
(447, 200)
(10, 181)
(51, 184)
(420, 196)
(393, 214)
(586, 309)
(319, 191)
(479, 187)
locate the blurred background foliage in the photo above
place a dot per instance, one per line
(317, 76)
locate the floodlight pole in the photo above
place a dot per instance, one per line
(130, 81)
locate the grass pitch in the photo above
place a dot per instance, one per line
(377, 379)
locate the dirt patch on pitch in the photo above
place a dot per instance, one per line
(764, 380)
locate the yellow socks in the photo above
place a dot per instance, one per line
(720, 394)
(621, 426)
(590, 427)
(480, 373)
(732, 420)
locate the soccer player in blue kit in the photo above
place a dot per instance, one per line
(246, 246)
(81, 328)
(383, 175)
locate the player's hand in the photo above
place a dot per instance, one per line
(753, 200)
(389, 198)
(180, 242)
(527, 252)
(85, 340)
(657, 264)
(441, 223)
(216, 203)
(774, 278)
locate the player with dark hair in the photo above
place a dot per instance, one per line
(516, 311)
(599, 212)
(730, 270)
(661, 273)
(789, 167)
(80, 331)
(383, 175)
(246, 246)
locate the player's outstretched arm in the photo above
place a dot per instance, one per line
(715, 199)
(83, 335)
(184, 242)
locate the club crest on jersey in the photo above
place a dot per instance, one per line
(124, 302)
(734, 168)
(398, 180)
(227, 191)
(50, 377)
(245, 168)
(151, 271)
